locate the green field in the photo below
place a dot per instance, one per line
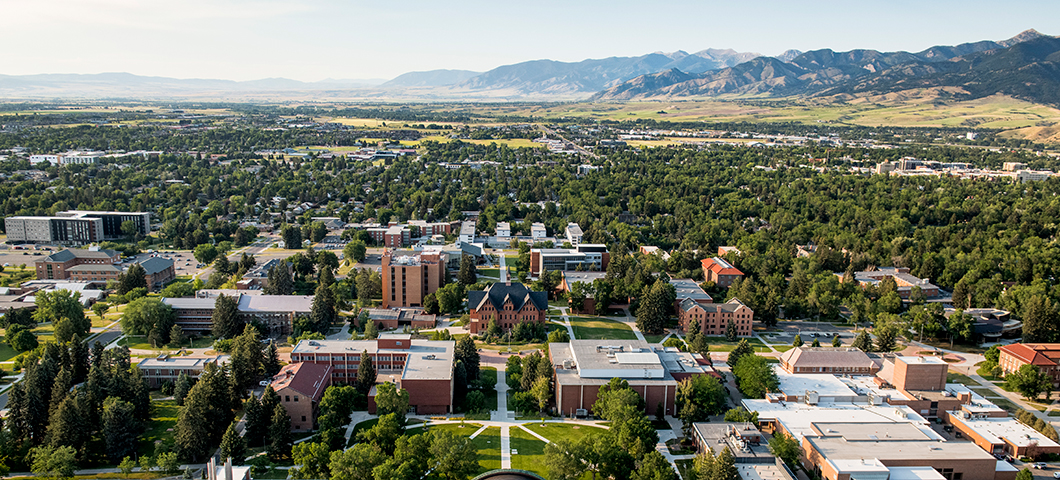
(489, 448)
(164, 415)
(555, 432)
(654, 338)
(600, 328)
(531, 452)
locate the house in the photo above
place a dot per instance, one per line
(409, 276)
(720, 271)
(424, 368)
(586, 256)
(57, 265)
(582, 366)
(159, 370)
(714, 318)
(508, 303)
(300, 387)
(1046, 356)
(836, 360)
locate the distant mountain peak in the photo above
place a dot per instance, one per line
(789, 55)
(1024, 36)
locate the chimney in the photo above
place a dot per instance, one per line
(228, 469)
(211, 469)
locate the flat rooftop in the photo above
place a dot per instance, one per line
(178, 362)
(598, 368)
(427, 359)
(798, 417)
(837, 448)
(999, 430)
(920, 360)
(872, 431)
(688, 288)
(826, 385)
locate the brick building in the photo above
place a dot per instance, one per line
(95, 274)
(902, 279)
(162, 369)
(158, 271)
(408, 277)
(720, 271)
(836, 360)
(393, 318)
(57, 265)
(1044, 355)
(393, 236)
(301, 387)
(586, 256)
(582, 366)
(422, 367)
(714, 317)
(277, 312)
(509, 303)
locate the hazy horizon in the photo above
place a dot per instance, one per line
(312, 41)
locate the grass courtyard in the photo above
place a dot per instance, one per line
(600, 328)
(528, 453)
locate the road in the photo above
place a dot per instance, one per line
(575, 145)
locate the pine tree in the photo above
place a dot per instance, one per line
(798, 341)
(1039, 319)
(863, 342)
(226, 321)
(176, 336)
(256, 421)
(836, 341)
(60, 388)
(725, 466)
(121, 429)
(885, 339)
(271, 362)
(468, 274)
(192, 435)
(366, 374)
(730, 331)
(246, 358)
(279, 446)
(279, 282)
(467, 352)
(742, 349)
(180, 390)
(133, 278)
(233, 446)
(816, 343)
(324, 311)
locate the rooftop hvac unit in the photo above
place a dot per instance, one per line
(567, 364)
(812, 397)
(313, 344)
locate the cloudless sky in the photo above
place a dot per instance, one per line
(353, 39)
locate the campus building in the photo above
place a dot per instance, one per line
(159, 370)
(582, 366)
(158, 272)
(507, 303)
(574, 234)
(720, 271)
(55, 230)
(587, 256)
(276, 312)
(836, 360)
(408, 277)
(392, 318)
(1046, 356)
(57, 265)
(300, 387)
(424, 368)
(906, 282)
(714, 318)
(112, 221)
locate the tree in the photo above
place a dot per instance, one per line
(730, 331)
(475, 402)
(121, 428)
(21, 338)
(467, 353)
(366, 375)
(960, 326)
(468, 274)
(233, 446)
(452, 457)
(100, 309)
(133, 278)
(388, 399)
(126, 466)
(53, 462)
(725, 466)
(225, 319)
(245, 361)
(223, 266)
(280, 441)
(755, 376)
(542, 392)
(1039, 320)
(816, 343)
(836, 341)
(798, 341)
(181, 388)
(271, 361)
(312, 459)
(741, 350)
(786, 448)
(656, 303)
(430, 304)
(255, 420)
(143, 315)
(885, 338)
(653, 466)
(292, 236)
(358, 462)
(64, 310)
(385, 433)
(1025, 474)
(564, 460)
(1030, 381)
(354, 251)
(617, 402)
(863, 342)
(697, 398)
(205, 253)
(324, 311)
(740, 414)
(279, 281)
(147, 462)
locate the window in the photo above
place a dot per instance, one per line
(287, 398)
(303, 418)
(296, 398)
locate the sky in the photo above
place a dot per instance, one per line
(353, 39)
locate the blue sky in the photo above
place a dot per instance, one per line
(314, 40)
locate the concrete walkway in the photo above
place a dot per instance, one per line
(504, 269)
(632, 322)
(506, 447)
(565, 320)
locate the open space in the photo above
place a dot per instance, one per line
(528, 452)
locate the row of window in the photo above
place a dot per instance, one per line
(347, 358)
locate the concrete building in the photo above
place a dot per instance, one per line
(504, 230)
(1000, 435)
(868, 456)
(277, 312)
(300, 387)
(836, 360)
(583, 366)
(424, 368)
(408, 277)
(57, 265)
(587, 256)
(902, 278)
(574, 234)
(720, 271)
(714, 318)
(162, 369)
(1046, 356)
(538, 231)
(56, 230)
(1024, 176)
(508, 303)
(467, 232)
(112, 221)
(393, 318)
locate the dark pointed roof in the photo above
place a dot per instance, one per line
(498, 293)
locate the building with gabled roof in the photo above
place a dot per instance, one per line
(300, 387)
(158, 271)
(57, 266)
(1046, 356)
(837, 360)
(509, 303)
(714, 317)
(720, 271)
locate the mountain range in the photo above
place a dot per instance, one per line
(1025, 66)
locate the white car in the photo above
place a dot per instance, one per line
(1056, 474)
(264, 383)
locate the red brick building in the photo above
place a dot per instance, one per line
(509, 303)
(720, 271)
(714, 317)
(408, 277)
(57, 266)
(834, 360)
(1045, 355)
(422, 367)
(301, 387)
(392, 318)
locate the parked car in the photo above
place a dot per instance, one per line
(1040, 465)
(1056, 474)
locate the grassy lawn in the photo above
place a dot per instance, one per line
(6, 352)
(601, 328)
(164, 415)
(531, 454)
(365, 425)
(466, 429)
(489, 448)
(1006, 404)
(720, 344)
(490, 272)
(555, 432)
(654, 338)
(962, 379)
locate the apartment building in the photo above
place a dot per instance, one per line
(300, 387)
(720, 271)
(112, 221)
(409, 276)
(508, 303)
(467, 232)
(57, 266)
(714, 317)
(574, 234)
(538, 231)
(424, 368)
(55, 230)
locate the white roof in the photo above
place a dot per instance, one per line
(826, 385)
(997, 430)
(915, 473)
(798, 417)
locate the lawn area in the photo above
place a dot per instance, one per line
(490, 272)
(466, 429)
(6, 352)
(555, 432)
(163, 416)
(489, 448)
(962, 379)
(1006, 404)
(720, 344)
(531, 452)
(654, 338)
(601, 329)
